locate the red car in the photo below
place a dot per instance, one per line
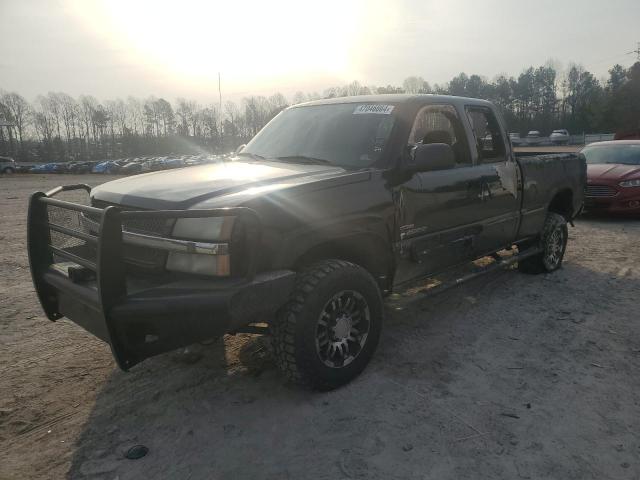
(613, 176)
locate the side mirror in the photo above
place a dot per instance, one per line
(430, 157)
(240, 148)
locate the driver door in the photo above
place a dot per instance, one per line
(438, 211)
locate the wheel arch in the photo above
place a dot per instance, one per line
(366, 249)
(562, 203)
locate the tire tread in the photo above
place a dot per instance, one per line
(284, 326)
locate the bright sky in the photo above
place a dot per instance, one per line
(172, 48)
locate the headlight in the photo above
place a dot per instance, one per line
(210, 230)
(212, 265)
(630, 183)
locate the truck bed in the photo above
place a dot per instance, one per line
(545, 176)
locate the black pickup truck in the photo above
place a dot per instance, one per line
(325, 211)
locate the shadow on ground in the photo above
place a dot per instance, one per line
(511, 376)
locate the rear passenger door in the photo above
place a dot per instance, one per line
(498, 177)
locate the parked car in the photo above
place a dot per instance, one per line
(109, 167)
(173, 163)
(533, 138)
(43, 168)
(154, 164)
(80, 167)
(515, 138)
(560, 137)
(131, 168)
(306, 233)
(613, 177)
(632, 134)
(8, 165)
(60, 168)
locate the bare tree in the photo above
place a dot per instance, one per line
(186, 112)
(56, 126)
(18, 112)
(415, 85)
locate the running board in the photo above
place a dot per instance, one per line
(437, 289)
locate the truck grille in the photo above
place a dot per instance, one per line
(140, 259)
(144, 258)
(160, 227)
(600, 191)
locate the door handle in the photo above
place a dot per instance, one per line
(485, 191)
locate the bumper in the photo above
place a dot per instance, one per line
(622, 203)
(140, 317)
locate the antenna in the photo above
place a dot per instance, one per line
(636, 51)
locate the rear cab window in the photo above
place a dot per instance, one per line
(488, 135)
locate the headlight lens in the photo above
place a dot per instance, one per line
(630, 183)
(212, 265)
(212, 230)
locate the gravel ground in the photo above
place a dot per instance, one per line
(509, 376)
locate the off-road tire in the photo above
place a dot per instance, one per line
(295, 328)
(552, 254)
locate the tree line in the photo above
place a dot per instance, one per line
(58, 127)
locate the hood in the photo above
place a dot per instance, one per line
(611, 171)
(184, 187)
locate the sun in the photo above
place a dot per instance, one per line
(248, 41)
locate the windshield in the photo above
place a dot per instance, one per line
(349, 135)
(626, 154)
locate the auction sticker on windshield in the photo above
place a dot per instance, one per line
(373, 108)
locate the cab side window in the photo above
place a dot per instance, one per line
(441, 124)
(488, 136)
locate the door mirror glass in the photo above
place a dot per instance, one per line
(431, 157)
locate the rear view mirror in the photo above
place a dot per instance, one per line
(431, 157)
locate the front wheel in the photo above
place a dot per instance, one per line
(553, 244)
(328, 331)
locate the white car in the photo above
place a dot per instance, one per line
(533, 138)
(559, 137)
(516, 139)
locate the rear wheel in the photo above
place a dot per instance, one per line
(9, 171)
(327, 333)
(552, 244)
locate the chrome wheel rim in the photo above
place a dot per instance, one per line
(553, 250)
(342, 329)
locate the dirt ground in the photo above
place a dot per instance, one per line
(509, 376)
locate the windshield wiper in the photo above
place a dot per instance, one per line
(303, 159)
(255, 156)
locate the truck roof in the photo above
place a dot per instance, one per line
(399, 98)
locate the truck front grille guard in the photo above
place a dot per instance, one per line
(107, 243)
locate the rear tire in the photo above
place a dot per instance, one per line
(326, 334)
(553, 243)
(9, 171)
